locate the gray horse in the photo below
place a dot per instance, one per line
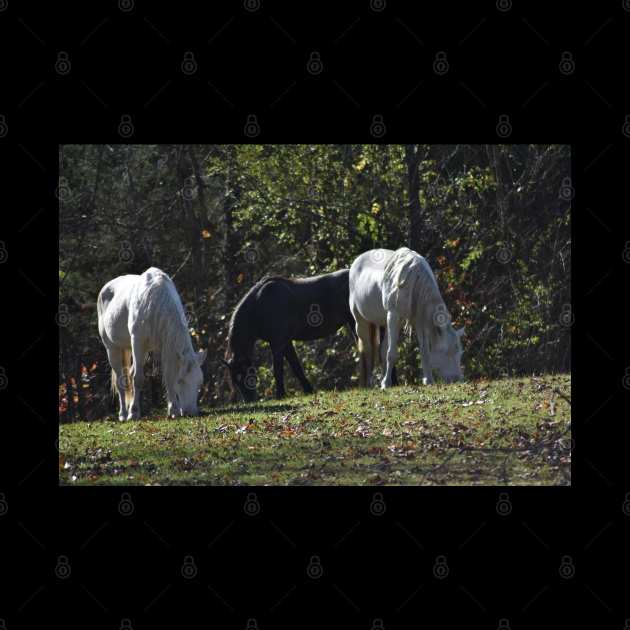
(389, 288)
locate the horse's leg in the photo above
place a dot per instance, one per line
(393, 329)
(277, 351)
(171, 407)
(383, 353)
(365, 350)
(425, 355)
(137, 371)
(296, 366)
(382, 347)
(394, 376)
(116, 361)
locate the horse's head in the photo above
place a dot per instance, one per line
(187, 386)
(446, 353)
(242, 376)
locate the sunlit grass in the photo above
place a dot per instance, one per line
(401, 436)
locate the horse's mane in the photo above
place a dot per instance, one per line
(165, 316)
(408, 269)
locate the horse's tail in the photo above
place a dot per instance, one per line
(362, 364)
(374, 341)
(373, 349)
(351, 330)
(126, 365)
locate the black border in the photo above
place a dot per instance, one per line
(256, 568)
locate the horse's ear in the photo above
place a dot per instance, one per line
(201, 356)
(461, 331)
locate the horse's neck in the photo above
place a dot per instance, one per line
(172, 331)
(243, 344)
(242, 338)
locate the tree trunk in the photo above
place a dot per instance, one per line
(228, 245)
(190, 219)
(204, 219)
(414, 237)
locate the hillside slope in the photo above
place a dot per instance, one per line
(503, 432)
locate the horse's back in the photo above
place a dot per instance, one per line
(303, 308)
(126, 302)
(154, 276)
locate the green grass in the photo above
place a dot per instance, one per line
(436, 435)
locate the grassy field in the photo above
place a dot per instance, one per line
(502, 432)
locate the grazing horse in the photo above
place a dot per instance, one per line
(388, 287)
(141, 314)
(279, 310)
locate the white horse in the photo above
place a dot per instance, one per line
(388, 287)
(141, 314)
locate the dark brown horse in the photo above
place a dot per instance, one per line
(279, 310)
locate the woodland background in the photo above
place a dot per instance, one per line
(492, 220)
